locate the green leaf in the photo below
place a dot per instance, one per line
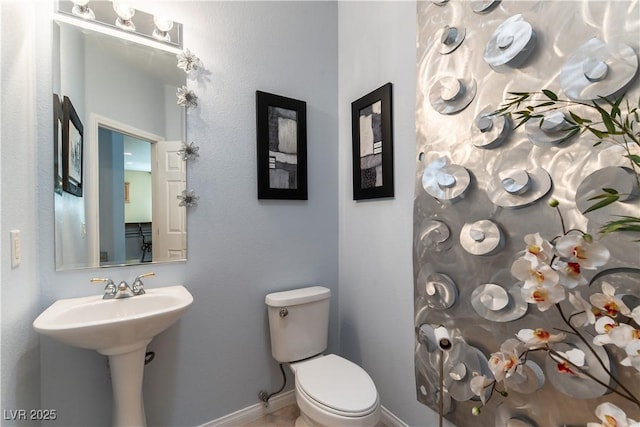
(634, 158)
(499, 111)
(608, 123)
(600, 196)
(626, 219)
(600, 134)
(579, 120)
(552, 96)
(615, 108)
(523, 121)
(544, 104)
(606, 201)
(610, 190)
(606, 119)
(615, 226)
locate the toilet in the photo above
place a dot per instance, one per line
(330, 390)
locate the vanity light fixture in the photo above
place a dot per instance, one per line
(125, 13)
(163, 26)
(115, 18)
(81, 9)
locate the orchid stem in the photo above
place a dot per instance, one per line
(564, 230)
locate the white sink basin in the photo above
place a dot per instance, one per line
(120, 329)
(114, 325)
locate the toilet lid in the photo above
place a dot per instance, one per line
(338, 384)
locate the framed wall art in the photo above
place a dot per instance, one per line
(57, 144)
(281, 125)
(372, 138)
(72, 147)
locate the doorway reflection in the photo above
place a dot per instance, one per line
(126, 198)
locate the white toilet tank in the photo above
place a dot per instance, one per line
(298, 322)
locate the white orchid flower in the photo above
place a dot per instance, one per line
(635, 314)
(589, 254)
(534, 273)
(604, 326)
(538, 248)
(480, 386)
(506, 362)
(612, 416)
(587, 316)
(609, 302)
(536, 338)
(633, 355)
(623, 335)
(544, 297)
(567, 360)
(570, 273)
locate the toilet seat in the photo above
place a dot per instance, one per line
(337, 385)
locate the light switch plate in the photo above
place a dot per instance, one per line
(15, 248)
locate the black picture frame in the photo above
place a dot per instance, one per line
(57, 144)
(372, 139)
(72, 149)
(281, 127)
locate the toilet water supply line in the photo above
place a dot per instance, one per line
(265, 396)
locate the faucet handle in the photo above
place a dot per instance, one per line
(138, 286)
(110, 288)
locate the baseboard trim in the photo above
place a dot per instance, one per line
(253, 412)
(389, 419)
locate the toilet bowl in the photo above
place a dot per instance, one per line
(332, 391)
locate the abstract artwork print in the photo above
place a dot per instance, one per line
(371, 146)
(372, 140)
(281, 125)
(283, 148)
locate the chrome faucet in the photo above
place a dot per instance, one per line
(110, 289)
(122, 290)
(138, 287)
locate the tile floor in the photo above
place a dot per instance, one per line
(283, 417)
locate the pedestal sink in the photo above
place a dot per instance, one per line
(120, 329)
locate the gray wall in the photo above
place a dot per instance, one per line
(376, 46)
(20, 372)
(215, 360)
(218, 357)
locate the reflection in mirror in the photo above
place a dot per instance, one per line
(125, 96)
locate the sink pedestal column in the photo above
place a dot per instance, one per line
(126, 379)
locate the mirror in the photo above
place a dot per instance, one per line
(124, 96)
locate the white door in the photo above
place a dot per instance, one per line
(169, 219)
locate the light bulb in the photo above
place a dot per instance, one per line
(163, 26)
(81, 9)
(125, 13)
